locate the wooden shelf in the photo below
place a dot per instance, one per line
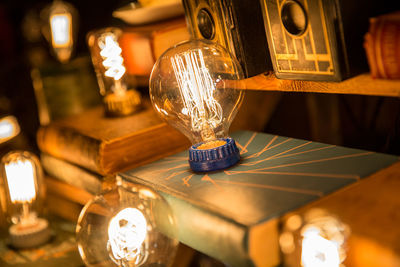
(360, 85)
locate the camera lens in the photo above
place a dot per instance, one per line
(294, 18)
(205, 23)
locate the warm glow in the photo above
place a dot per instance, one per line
(9, 128)
(126, 233)
(61, 30)
(111, 54)
(21, 181)
(318, 251)
(197, 88)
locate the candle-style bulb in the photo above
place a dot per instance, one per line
(23, 189)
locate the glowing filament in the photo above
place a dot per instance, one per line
(8, 128)
(112, 59)
(61, 30)
(197, 88)
(318, 251)
(21, 181)
(126, 233)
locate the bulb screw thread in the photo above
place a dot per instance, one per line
(213, 159)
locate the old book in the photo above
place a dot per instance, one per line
(71, 174)
(108, 145)
(137, 45)
(63, 208)
(233, 215)
(169, 36)
(69, 192)
(382, 46)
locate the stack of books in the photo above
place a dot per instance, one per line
(81, 154)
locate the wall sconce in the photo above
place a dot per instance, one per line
(317, 239)
(128, 225)
(110, 71)
(23, 194)
(189, 87)
(60, 28)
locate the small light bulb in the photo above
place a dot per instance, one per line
(9, 128)
(316, 239)
(110, 71)
(22, 179)
(190, 88)
(128, 225)
(62, 28)
(127, 232)
(318, 251)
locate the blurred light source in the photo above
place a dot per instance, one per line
(110, 71)
(128, 225)
(23, 189)
(317, 239)
(9, 128)
(62, 20)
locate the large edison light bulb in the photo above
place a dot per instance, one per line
(128, 225)
(190, 88)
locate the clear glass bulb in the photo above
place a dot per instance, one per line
(23, 195)
(128, 225)
(9, 128)
(316, 239)
(61, 28)
(110, 71)
(191, 88)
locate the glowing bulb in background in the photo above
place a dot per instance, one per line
(62, 20)
(315, 239)
(9, 128)
(112, 60)
(108, 63)
(128, 225)
(126, 233)
(21, 181)
(60, 25)
(190, 89)
(22, 178)
(318, 251)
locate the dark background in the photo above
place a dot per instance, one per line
(367, 122)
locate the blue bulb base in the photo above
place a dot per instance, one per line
(213, 159)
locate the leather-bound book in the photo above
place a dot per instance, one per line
(108, 145)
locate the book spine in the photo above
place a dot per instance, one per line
(67, 191)
(69, 145)
(63, 208)
(382, 45)
(71, 174)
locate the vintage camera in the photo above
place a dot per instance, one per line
(237, 25)
(318, 40)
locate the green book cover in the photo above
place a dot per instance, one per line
(216, 211)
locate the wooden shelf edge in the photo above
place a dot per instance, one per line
(362, 84)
